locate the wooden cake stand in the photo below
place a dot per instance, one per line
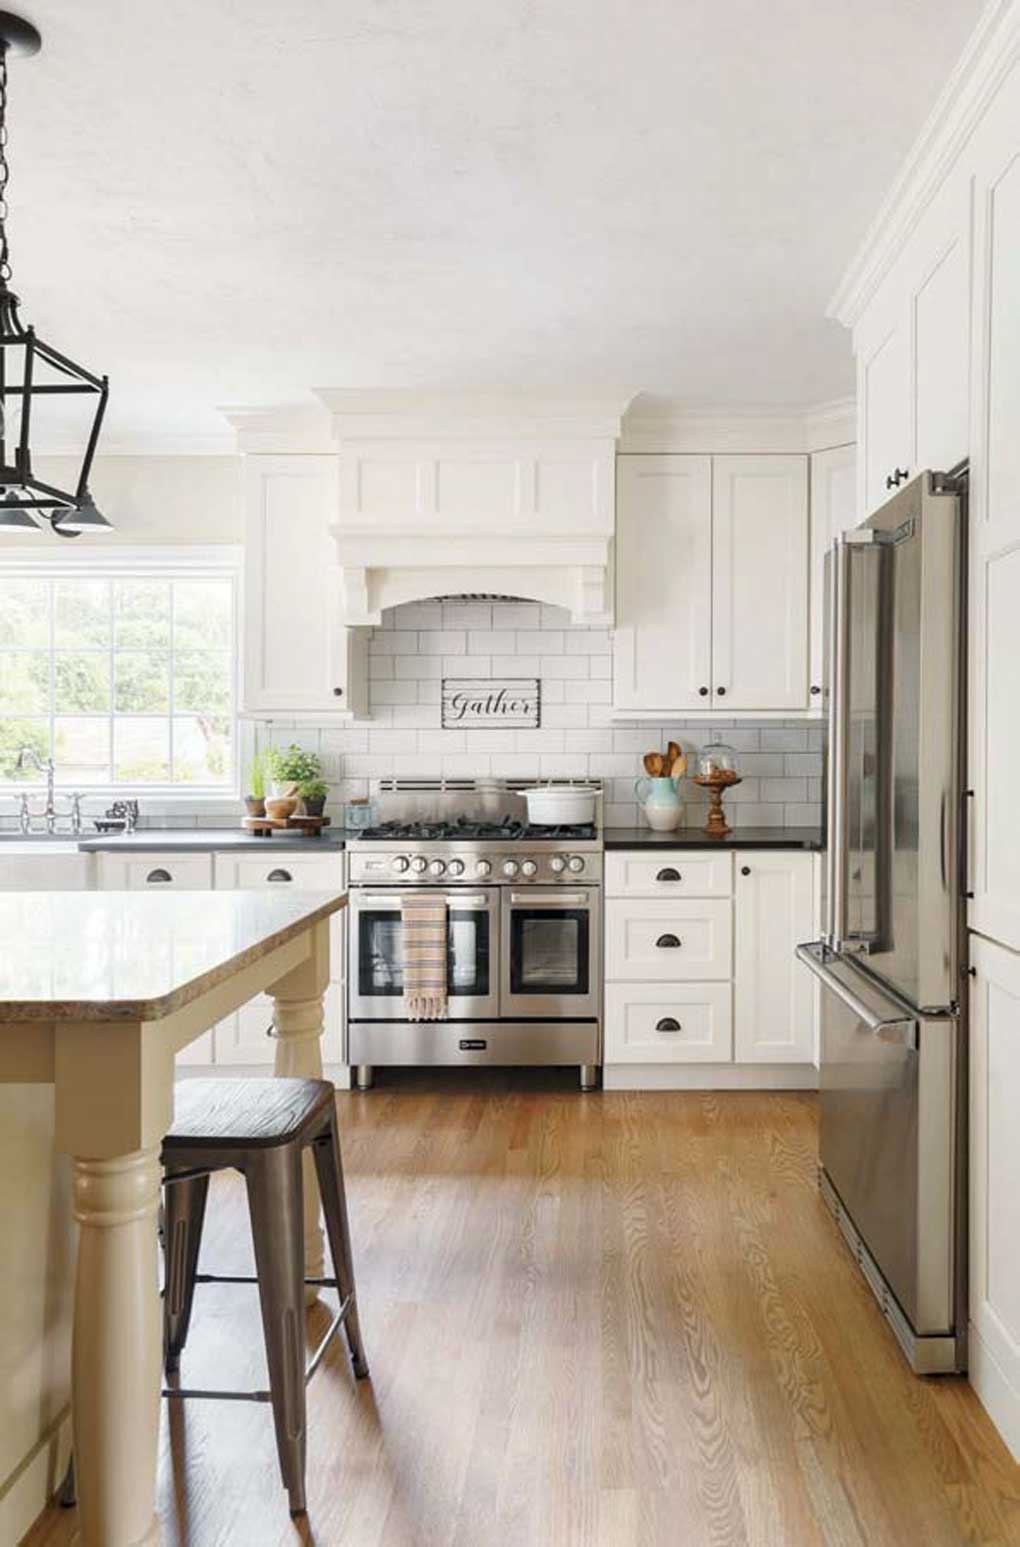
(266, 826)
(717, 825)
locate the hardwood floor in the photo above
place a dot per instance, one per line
(617, 1320)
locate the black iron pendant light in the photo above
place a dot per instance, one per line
(35, 377)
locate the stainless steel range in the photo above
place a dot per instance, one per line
(523, 931)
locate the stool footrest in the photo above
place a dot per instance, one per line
(180, 1393)
(249, 1278)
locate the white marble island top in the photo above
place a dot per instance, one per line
(105, 956)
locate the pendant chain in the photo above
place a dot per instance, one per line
(5, 266)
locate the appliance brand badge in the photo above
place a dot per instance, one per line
(513, 702)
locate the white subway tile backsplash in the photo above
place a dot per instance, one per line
(780, 762)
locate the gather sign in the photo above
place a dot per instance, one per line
(511, 702)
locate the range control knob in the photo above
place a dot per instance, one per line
(558, 864)
(529, 868)
(575, 864)
(399, 863)
(510, 868)
(437, 867)
(483, 867)
(419, 864)
(455, 867)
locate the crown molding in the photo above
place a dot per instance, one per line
(742, 429)
(284, 428)
(492, 416)
(991, 52)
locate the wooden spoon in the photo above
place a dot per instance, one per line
(679, 766)
(654, 764)
(672, 753)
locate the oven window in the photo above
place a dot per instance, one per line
(549, 951)
(380, 956)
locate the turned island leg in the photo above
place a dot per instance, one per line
(298, 1021)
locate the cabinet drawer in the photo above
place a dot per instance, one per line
(304, 872)
(672, 873)
(679, 1023)
(137, 872)
(244, 1037)
(667, 942)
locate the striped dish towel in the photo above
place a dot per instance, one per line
(423, 920)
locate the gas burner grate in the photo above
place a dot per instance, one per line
(466, 830)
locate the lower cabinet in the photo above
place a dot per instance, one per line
(710, 979)
(994, 1342)
(246, 1036)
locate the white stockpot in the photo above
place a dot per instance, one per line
(549, 805)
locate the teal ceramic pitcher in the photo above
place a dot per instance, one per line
(661, 803)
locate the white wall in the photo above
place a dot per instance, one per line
(159, 499)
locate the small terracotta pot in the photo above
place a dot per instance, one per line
(280, 807)
(255, 805)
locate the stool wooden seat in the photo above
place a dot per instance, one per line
(260, 1127)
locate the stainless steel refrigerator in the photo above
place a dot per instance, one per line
(893, 1065)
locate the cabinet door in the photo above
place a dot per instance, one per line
(994, 1195)
(162, 872)
(298, 655)
(995, 551)
(884, 401)
(833, 510)
(759, 583)
(940, 325)
(773, 1005)
(662, 639)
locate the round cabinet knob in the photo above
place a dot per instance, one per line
(419, 864)
(703, 692)
(483, 867)
(721, 692)
(815, 690)
(455, 867)
(575, 864)
(400, 864)
(529, 868)
(510, 868)
(557, 864)
(745, 870)
(437, 867)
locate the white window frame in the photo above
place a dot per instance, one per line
(214, 560)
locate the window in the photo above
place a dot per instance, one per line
(124, 676)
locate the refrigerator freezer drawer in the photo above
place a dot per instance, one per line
(887, 1135)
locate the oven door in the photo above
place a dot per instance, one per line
(376, 977)
(551, 954)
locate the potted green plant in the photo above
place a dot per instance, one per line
(289, 768)
(255, 800)
(313, 796)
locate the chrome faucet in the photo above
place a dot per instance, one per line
(44, 765)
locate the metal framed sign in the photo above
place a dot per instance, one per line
(515, 703)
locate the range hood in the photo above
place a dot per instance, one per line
(441, 494)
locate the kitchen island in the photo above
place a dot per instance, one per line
(95, 1000)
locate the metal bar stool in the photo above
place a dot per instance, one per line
(260, 1127)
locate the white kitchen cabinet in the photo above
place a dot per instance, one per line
(130, 872)
(299, 657)
(994, 1343)
(711, 584)
(885, 431)
(662, 644)
(666, 941)
(759, 582)
(28, 867)
(671, 873)
(244, 1037)
(656, 1023)
(774, 1019)
(833, 510)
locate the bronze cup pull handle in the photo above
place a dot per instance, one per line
(669, 874)
(667, 942)
(668, 1024)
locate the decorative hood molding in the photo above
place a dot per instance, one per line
(449, 493)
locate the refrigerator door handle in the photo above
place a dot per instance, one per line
(839, 732)
(892, 1028)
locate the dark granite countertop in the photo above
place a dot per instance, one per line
(694, 838)
(199, 840)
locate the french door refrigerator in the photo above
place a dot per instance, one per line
(893, 1065)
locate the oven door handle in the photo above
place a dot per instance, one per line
(550, 899)
(452, 899)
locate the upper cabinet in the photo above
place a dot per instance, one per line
(711, 584)
(299, 656)
(913, 355)
(833, 510)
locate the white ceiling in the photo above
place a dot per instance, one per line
(234, 201)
